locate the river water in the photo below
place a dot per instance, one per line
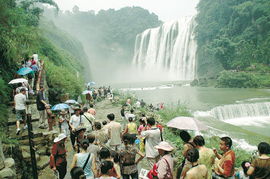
(247, 109)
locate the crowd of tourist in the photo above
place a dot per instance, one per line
(113, 148)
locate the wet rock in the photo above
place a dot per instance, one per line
(9, 163)
(7, 173)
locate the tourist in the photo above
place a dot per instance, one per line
(131, 127)
(188, 144)
(260, 167)
(152, 138)
(128, 157)
(74, 123)
(80, 131)
(85, 160)
(20, 108)
(105, 155)
(165, 163)
(122, 112)
(107, 169)
(207, 156)
(131, 114)
(87, 120)
(91, 110)
(51, 117)
(94, 149)
(100, 134)
(242, 174)
(116, 163)
(58, 156)
(197, 171)
(225, 166)
(63, 122)
(41, 106)
(114, 131)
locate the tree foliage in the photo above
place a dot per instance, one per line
(234, 33)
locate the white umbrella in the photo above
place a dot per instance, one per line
(186, 123)
(71, 101)
(87, 92)
(18, 80)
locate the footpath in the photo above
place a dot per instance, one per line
(103, 108)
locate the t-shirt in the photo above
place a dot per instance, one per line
(115, 133)
(75, 121)
(86, 117)
(132, 128)
(20, 100)
(152, 137)
(262, 168)
(40, 105)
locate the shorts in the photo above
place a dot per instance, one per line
(20, 115)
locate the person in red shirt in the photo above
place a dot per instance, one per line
(225, 167)
(58, 159)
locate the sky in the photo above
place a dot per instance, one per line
(166, 9)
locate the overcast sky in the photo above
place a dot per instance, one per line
(165, 9)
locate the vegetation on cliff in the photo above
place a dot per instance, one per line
(234, 35)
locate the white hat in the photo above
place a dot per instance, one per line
(60, 137)
(164, 146)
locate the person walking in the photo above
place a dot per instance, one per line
(41, 106)
(128, 158)
(74, 123)
(20, 108)
(63, 122)
(85, 160)
(58, 156)
(114, 131)
(152, 138)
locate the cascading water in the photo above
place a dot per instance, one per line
(241, 110)
(168, 50)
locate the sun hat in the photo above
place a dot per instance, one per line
(164, 146)
(60, 137)
(63, 111)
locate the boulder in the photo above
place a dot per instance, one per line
(9, 163)
(7, 173)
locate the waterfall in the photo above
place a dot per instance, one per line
(168, 50)
(233, 111)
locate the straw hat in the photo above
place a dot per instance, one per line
(63, 111)
(164, 146)
(60, 137)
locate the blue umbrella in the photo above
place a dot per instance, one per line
(24, 71)
(59, 107)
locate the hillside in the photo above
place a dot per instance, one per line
(234, 35)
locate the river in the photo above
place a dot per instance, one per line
(242, 109)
